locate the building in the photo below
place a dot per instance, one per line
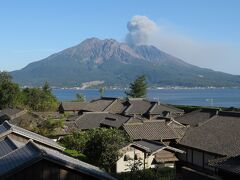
(25, 155)
(144, 154)
(216, 137)
(10, 114)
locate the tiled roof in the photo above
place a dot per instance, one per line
(149, 146)
(6, 146)
(90, 120)
(150, 130)
(73, 106)
(231, 165)
(219, 135)
(161, 108)
(118, 106)
(32, 153)
(100, 104)
(7, 128)
(196, 117)
(114, 120)
(138, 106)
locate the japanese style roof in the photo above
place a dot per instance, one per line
(73, 106)
(220, 135)
(90, 120)
(150, 130)
(6, 146)
(148, 146)
(32, 153)
(158, 108)
(6, 128)
(138, 106)
(196, 117)
(231, 165)
(101, 104)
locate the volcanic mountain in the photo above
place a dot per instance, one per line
(117, 64)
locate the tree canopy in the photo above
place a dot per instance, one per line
(101, 145)
(138, 88)
(37, 99)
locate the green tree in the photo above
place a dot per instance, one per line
(9, 92)
(100, 145)
(80, 97)
(138, 88)
(39, 99)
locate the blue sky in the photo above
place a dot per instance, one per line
(31, 30)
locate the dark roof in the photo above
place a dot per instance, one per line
(219, 135)
(196, 117)
(138, 106)
(161, 108)
(100, 104)
(151, 130)
(114, 120)
(32, 153)
(90, 120)
(118, 106)
(148, 146)
(6, 146)
(231, 165)
(73, 106)
(7, 128)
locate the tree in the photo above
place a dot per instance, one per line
(80, 97)
(100, 145)
(9, 92)
(138, 88)
(39, 99)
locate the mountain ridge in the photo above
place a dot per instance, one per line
(117, 64)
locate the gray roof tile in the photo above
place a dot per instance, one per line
(219, 135)
(7, 128)
(150, 130)
(6, 146)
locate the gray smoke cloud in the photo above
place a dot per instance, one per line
(218, 56)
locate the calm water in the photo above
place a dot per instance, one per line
(199, 97)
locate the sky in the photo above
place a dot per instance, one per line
(205, 33)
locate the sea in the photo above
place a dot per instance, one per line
(216, 97)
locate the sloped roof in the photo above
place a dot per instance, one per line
(73, 106)
(196, 117)
(90, 120)
(148, 146)
(219, 135)
(6, 146)
(150, 130)
(118, 106)
(7, 128)
(138, 106)
(101, 104)
(32, 153)
(160, 108)
(231, 164)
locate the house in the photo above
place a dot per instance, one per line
(157, 130)
(214, 138)
(144, 154)
(197, 117)
(30, 160)
(90, 120)
(71, 107)
(22, 136)
(150, 109)
(228, 168)
(10, 114)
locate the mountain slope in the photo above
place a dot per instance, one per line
(118, 64)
